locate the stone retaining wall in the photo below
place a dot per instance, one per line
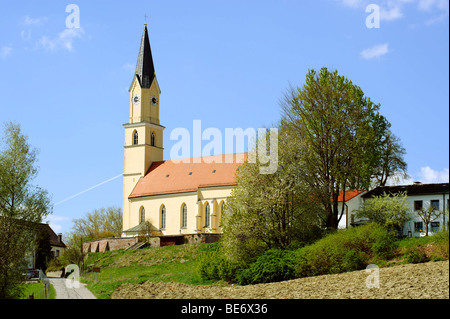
(110, 244)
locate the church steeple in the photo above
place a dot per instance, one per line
(143, 132)
(145, 70)
(144, 89)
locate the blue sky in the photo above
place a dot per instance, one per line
(226, 63)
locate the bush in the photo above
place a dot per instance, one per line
(416, 255)
(354, 260)
(273, 265)
(341, 251)
(213, 265)
(346, 250)
(441, 240)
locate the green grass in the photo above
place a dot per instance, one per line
(423, 249)
(180, 263)
(406, 243)
(156, 264)
(37, 290)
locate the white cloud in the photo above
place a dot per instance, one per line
(425, 5)
(354, 3)
(399, 179)
(429, 175)
(33, 21)
(128, 67)
(375, 51)
(55, 222)
(25, 35)
(392, 13)
(439, 8)
(429, 5)
(5, 51)
(391, 10)
(63, 40)
(436, 19)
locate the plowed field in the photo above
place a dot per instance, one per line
(428, 281)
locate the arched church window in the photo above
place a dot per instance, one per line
(135, 138)
(142, 215)
(152, 139)
(207, 215)
(184, 216)
(163, 217)
(222, 208)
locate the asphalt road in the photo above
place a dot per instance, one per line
(69, 290)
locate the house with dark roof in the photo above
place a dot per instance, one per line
(55, 241)
(418, 196)
(57, 245)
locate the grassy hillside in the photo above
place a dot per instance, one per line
(179, 263)
(156, 264)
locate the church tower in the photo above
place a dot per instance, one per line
(143, 133)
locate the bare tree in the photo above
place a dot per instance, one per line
(428, 215)
(100, 223)
(146, 231)
(391, 162)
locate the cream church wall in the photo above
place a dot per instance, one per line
(195, 201)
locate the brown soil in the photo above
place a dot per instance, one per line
(428, 281)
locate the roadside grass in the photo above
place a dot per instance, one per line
(37, 290)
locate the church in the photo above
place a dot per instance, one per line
(176, 197)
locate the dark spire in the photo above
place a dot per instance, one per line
(145, 69)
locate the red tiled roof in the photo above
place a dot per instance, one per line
(349, 194)
(179, 176)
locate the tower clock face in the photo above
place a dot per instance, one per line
(154, 100)
(136, 99)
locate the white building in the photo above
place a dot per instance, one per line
(353, 201)
(418, 196)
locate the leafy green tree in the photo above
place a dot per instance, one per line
(43, 251)
(338, 133)
(389, 210)
(22, 205)
(268, 211)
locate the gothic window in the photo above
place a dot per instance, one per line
(163, 217)
(184, 216)
(222, 208)
(152, 139)
(135, 138)
(207, 215)
(142, 215)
